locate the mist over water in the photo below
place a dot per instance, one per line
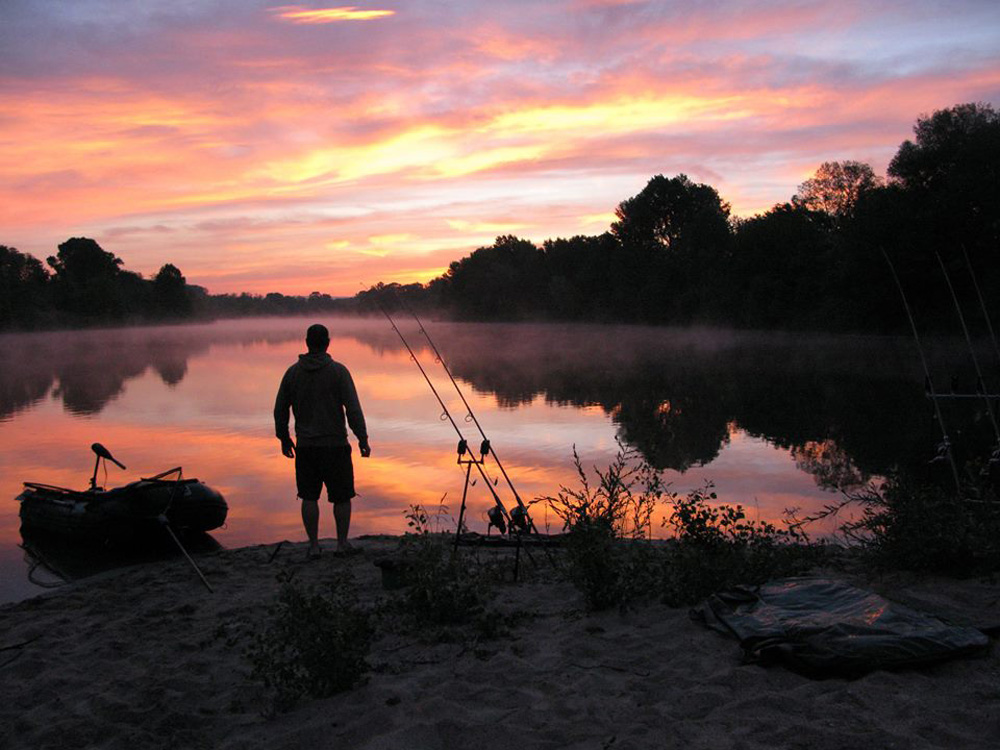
(775, 420)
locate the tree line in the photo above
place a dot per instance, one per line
(86, 285)
(674, 255)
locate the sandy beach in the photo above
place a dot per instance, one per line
(146, 657)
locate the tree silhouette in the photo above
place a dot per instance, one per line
(672, 255)
(675, 237)
(948, 192)
(85, 280)
(23, 289)
(836, 188)
(952, 145)
(583, 278)
(502, 282)
(780, 270)
(170, 292)
(674, 214)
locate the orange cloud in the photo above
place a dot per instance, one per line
(297, 14)
(260, 155)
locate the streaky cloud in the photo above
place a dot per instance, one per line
(298, 14)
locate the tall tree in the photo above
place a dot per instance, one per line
(836, 188)
(781, 270)
(952, 145)
(949, 180)
(505, 281)
(86, 280)
(952, 170)
(675, 238)
(24, 300)
(170, 292)
(674, 214)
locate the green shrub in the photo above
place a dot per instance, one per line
(312, 643)
(716, 546)
(608, 555)
(440, 588)
(442, 591)
(611, 560)
(913, 526)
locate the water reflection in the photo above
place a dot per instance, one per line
(846, 407)
(86, 370)
(52, 562)
(773, 420)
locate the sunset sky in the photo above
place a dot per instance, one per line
(266, 147)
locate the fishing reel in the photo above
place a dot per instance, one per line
(519, 519)
(991, 469)
(943, 451)
(495, 516)
(463, 448)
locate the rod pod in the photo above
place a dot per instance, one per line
(525, 520)
(944, 451)
(444, 411)
(980, 384)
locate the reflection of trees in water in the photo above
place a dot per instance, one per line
(846, 408)
(672, 434)
(829, 464)
(89, 369)
(23, 383)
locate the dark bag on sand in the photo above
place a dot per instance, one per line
(823, 628)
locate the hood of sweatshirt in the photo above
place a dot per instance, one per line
(315, 361)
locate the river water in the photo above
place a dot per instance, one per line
(773, 420)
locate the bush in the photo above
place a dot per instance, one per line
(717, 547)
(609, 558)
(440, 590)
(311, 644)
(923, 527)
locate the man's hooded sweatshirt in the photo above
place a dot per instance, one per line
(320, 392)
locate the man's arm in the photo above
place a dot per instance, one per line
(355, 417)
(282, 404)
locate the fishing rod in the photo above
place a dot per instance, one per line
(945, 447)
(995, 458)
(519, 518)
(972, 350)
(982, 303)
(471, 415)
(462, 442)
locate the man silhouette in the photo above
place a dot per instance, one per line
(320, 392)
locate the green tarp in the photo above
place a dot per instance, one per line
(824, 627)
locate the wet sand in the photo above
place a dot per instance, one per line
(144, 658)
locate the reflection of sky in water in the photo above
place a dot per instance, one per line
(215, 421)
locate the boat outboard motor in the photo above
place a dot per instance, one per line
(104, 453)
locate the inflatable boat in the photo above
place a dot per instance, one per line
(122, 513)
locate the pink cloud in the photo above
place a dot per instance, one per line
(216, 138)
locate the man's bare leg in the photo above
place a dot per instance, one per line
(310, 519)
(342, 517)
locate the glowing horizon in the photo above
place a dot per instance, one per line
(265, 147)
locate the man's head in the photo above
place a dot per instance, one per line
(317, 338)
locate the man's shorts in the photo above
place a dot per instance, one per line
(319, 465)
